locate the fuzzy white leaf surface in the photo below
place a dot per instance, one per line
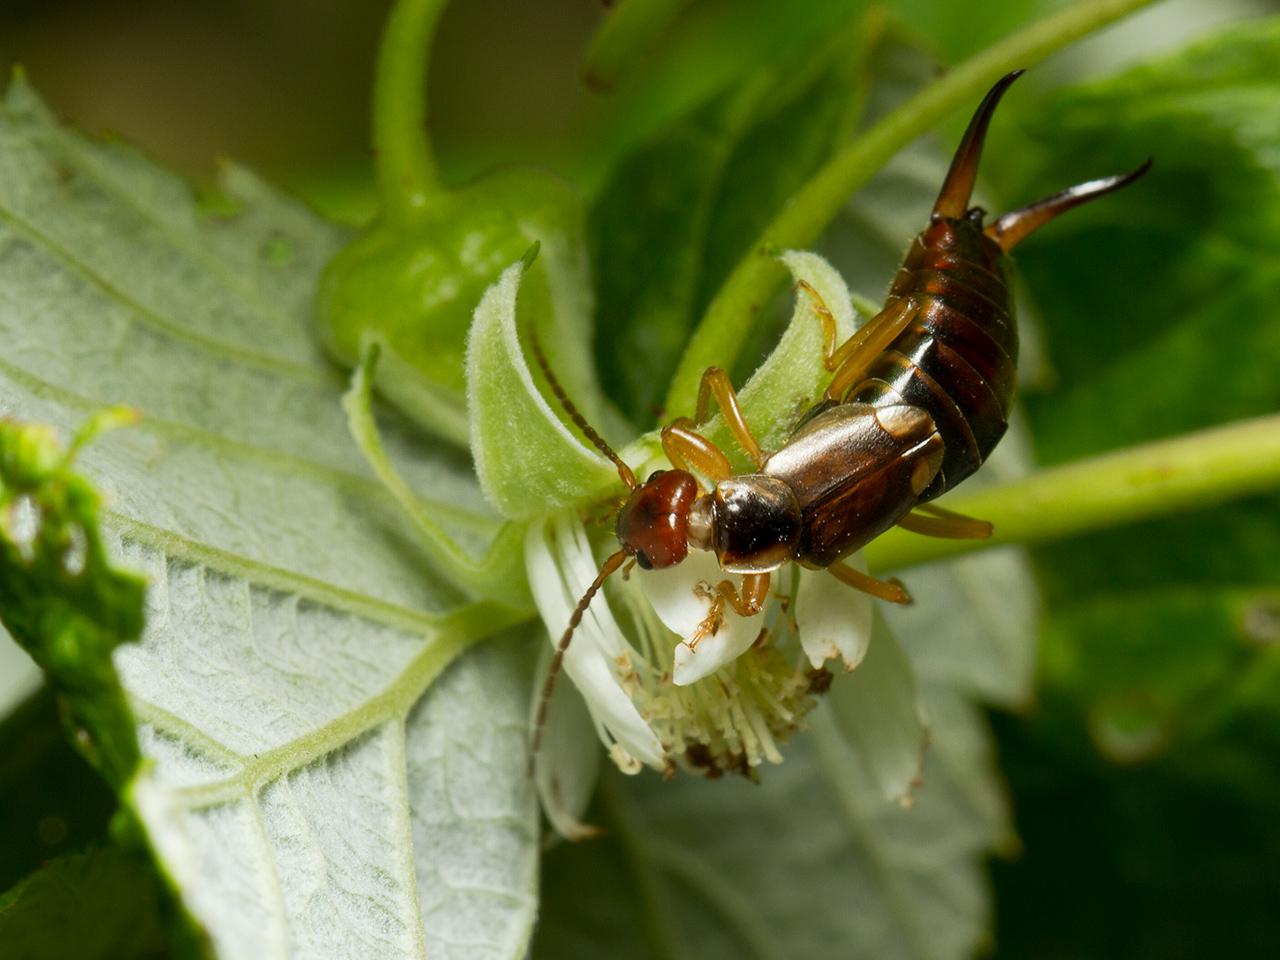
(326, 777)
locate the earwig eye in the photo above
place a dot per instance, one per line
(656, 473)
(976, 215)
(642, 560)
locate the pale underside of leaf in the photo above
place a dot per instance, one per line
(809, 858)
(19, 675)
(301, 791)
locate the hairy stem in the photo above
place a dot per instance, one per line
(406, 166)
(1186, 473)
(803, 218)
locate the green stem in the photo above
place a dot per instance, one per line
(1190, 472)
(499, 574)
(629, 30)
(407, 175)
(815, 205)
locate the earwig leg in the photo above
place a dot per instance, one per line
(937, 511)
(891, 590)
(867, 344)
(755, 589)
(690, 451)
(933, 521)
(834, 355)
(830, 358)
(715, 383)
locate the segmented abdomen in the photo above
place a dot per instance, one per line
(956, 357)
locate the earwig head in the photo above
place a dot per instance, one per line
(654, 525)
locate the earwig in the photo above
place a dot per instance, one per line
(918, 399)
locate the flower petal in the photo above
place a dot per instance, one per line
(834, 619)
(671, 594)
(561, 566)
(879, 711)
(568, 764)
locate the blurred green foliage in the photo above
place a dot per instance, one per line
(99, 905)
(1146, 773)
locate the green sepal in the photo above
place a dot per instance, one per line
(528, 460)
(499, 573)
(411, 285)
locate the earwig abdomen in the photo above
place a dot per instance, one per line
(925, 412)
(956, 360)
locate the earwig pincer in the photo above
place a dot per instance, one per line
(918, 399)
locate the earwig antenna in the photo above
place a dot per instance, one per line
(953, 199)
(624, 471)
(1015, 226)
(611, 564)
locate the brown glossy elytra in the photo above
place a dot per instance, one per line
(918, 399)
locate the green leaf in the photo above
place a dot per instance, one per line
(678, 212)
(1187, 840)
(100, 904)
(956, 33)
(1210, 119)
(302, 793)
(1190, 346)
(710, 48)
(629, 31)
(809, 863)
(1154, 727)
(51, 801)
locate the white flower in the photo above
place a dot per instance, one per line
(657, 701)
(653, 695)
